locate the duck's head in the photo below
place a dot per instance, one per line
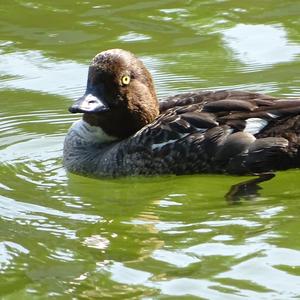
(120, 96)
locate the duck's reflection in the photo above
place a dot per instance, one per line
(247, 189)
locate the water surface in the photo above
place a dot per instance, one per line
(64, 236)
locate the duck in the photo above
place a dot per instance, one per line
(125, 130)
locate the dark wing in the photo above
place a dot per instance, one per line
(202, 97)
(223, 131)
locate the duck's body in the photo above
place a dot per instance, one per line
(126, 131)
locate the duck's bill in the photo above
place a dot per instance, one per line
(88, 104)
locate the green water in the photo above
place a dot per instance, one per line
(68, 237)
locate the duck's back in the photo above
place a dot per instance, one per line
(217, 132)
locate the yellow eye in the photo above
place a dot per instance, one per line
(125, 80)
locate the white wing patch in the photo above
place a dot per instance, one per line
(255, 125)
(160, 145)
(274, 116)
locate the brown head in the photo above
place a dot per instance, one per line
(120, 96)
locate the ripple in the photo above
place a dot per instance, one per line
(65, 255)
(24, 213)
(133, 37)
(195, 287)
(8, 252)
(231, 222)
(176, 258)
(220, 249)
(126, 275)
(96, 241)
(38, 148)
(12, 209)
(164, 81)
(263, 272)
(31, 70)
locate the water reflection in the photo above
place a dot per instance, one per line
(8, 252)
(257, 270)
(31, 70)
(133, 37)
(244, 263)
(260, 46)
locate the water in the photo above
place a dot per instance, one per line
(64, 236)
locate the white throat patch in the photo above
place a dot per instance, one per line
(91, 134)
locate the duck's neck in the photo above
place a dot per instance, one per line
(87, 150)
